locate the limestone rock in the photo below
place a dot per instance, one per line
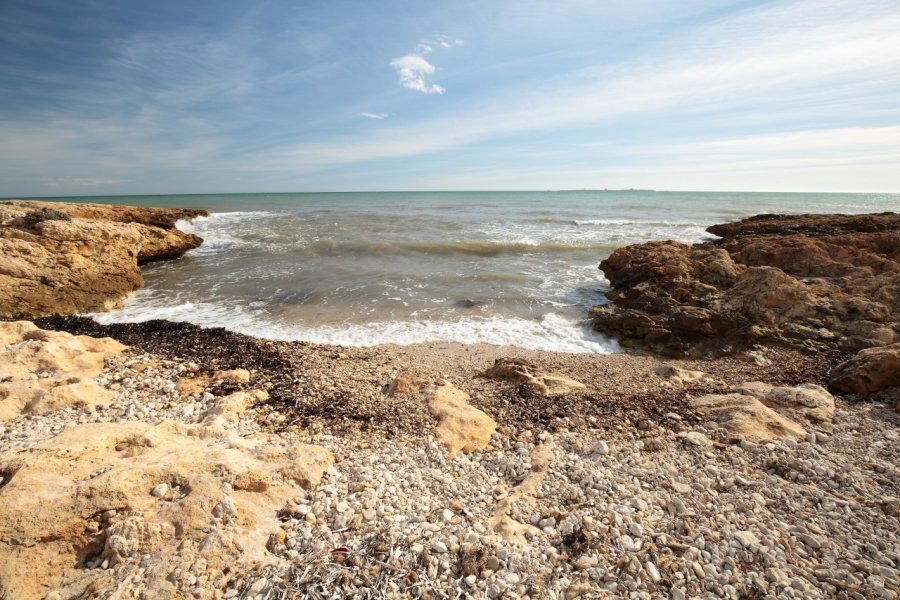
(44, 371)
(870, 371)
(676, 376)
(461, 426)
(807, 401)
(232, 376)
(61, 258)
(523, 372)
(743, 417)
(85, 496)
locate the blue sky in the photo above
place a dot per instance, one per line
(124, 97)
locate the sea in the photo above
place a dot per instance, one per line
(362, 269)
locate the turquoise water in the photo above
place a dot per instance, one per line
(516, 268)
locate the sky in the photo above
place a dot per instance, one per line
(217, 96)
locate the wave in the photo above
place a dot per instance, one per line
(450, 247)
(552, 332)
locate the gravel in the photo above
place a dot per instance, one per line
(638, 502)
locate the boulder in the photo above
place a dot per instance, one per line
(461, 426)
(808, 401)
(44, 371)
(198, 504)
(870, 371)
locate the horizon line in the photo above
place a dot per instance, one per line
(457, 191)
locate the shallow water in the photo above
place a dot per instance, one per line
(515, 268)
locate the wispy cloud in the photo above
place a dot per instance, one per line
(375, 116)
(439, 41)
(758, 67)
(412, 70)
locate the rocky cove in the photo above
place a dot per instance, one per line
(745, 447)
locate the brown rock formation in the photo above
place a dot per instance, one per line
(807, 281)
(742, 417)
(63, 258)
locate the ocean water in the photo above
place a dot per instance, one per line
(517, 268)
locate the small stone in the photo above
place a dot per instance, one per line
(628, 544)
(635, 529)
(492, 591)
(652, 571)
(695, 438)
(745, 538)
(439, 546)
(698, 570)
(492, 563)
(681, 488)
(471, 580)
(678, 594)
(160, 490)
(600, 449)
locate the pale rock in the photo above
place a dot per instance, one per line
(745, 538)
(694, 438)
(523, 372)
(461, 426)
(744, 418)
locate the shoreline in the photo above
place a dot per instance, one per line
(164, 460)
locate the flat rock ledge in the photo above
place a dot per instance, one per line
(67, 258)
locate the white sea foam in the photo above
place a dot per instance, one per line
(553, 332)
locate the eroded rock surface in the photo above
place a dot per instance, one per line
(807, 281)
(743, 417)
(43, 371)
(64, 258)
(113, 494)
(461, 426)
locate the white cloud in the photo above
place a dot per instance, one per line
(375, 116)
(412, 70)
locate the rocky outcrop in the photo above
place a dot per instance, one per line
(759, 412)
(807, 402)
(807, 281)
(64, 258)
(742, 417)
